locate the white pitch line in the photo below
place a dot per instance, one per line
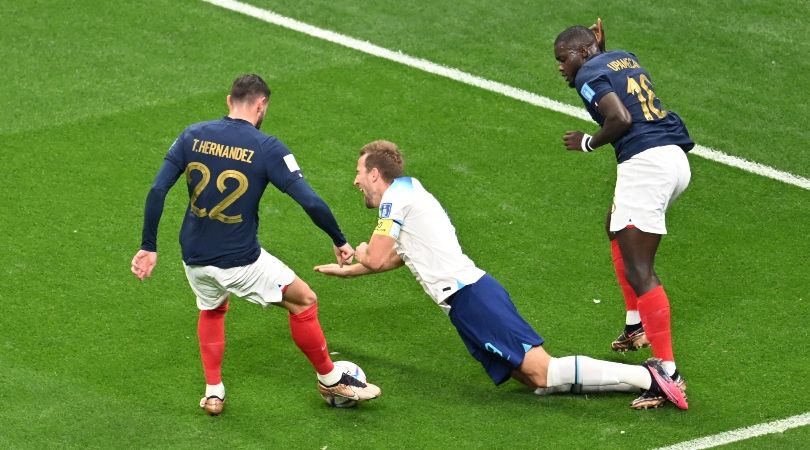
(740, 434)
(489, 85)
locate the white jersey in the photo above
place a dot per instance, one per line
(425, 239)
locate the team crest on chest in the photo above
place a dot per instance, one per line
(385, 210)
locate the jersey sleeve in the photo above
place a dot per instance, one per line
(317, 209)
(167, 175)
(393, 207)
(282, 168)
(594, 87)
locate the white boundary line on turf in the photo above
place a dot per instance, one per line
(493, 86)
(740, 434)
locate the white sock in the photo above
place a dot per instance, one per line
(330, 378)
(580, 389)
(632, 317)
(593, 372)
(217, 390)
(669, 366)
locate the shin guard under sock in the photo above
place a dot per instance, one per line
(211, 334)
(630, 298)
(306, 331)
(654, 309)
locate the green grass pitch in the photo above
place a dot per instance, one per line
(94, 93)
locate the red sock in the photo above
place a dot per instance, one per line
(308, 336)
(630, 298)
(653, 307)
(211, 332)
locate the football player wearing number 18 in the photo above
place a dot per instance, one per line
(227, 164)
(653, 170)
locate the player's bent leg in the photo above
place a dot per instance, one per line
(633, 337)
(297, 296)
(580, 389)
(655, 313)
(588, 372)
(533, 371)
(306, 331)
(638, 250)
(211, 334)
(305, 328)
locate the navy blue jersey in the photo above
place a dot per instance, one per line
(653, 126)
(228, 163)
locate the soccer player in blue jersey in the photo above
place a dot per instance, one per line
(414, 230)
(228, 163)
(651, 145)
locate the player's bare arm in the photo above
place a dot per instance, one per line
(617, 121)
(377, 253)
(345, 271)
(393, 261)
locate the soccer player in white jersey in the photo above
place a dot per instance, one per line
(414, 230)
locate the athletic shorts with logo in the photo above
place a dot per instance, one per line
(260, 282)
(491, 327)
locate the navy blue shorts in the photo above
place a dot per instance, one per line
(491, 327)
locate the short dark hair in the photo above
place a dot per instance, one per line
(248, 88)
(575, 37)
(385, 156)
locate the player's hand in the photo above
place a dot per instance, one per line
(335, 270)
(142, 264)
(600, 33)
(344, 254)
(573, 140)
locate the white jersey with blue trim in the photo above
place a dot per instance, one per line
(425, 239)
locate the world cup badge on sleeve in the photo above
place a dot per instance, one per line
(385, 210)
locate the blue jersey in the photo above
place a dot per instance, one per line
(653, 126)
(228, 163)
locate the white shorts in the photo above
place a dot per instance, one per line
(646, 184)
(260, 282)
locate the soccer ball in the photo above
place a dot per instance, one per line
(353, 370)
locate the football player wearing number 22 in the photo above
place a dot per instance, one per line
(650, 144)
(228, 163)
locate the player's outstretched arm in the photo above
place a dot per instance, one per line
(345, 271)
(322, 216)
(390, 261)
(379, 254)
(143, 263)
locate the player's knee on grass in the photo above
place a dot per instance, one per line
(535, 367)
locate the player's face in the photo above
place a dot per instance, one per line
(364, 181)
(569, 62)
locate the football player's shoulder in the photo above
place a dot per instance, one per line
(195, 128)
(400, 190)
(270, 144)
(405, 186)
